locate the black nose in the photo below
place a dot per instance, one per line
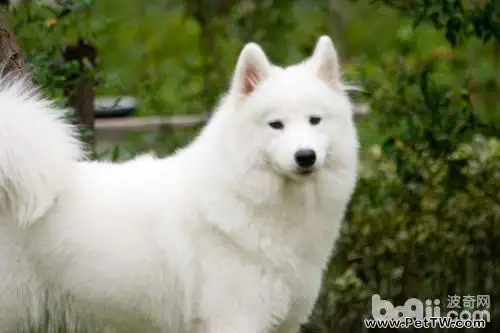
(305, 158)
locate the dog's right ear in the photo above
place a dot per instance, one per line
(252, 67)
(325, 62)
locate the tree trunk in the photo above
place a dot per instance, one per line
(11, 58)
(80, 89)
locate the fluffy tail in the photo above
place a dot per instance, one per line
(38, 152)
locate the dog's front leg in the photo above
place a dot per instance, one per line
(298, 315)
(245, 311)
(236, 325)
(289, 326)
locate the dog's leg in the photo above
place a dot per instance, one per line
(240, 315)
(233, 325)
(289, 326)
(299, 314)
(245, 311)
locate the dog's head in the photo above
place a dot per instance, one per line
(296, 121)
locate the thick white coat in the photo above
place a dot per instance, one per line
(223, 236)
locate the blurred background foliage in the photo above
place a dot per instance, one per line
(425, 220)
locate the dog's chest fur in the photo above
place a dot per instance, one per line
(287, 241)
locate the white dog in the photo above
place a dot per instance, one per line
(229, 235)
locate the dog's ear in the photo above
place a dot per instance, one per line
(252, 67)
(325, 62)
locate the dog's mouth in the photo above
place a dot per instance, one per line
(305, 171)
(298, 173)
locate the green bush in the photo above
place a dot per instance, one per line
(425, 220)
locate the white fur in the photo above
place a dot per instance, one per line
(222, 237)
(37, 153)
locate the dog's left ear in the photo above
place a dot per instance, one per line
(252, 67)
(325, 62)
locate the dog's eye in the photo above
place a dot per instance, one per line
(276, 124)
(314, 120)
